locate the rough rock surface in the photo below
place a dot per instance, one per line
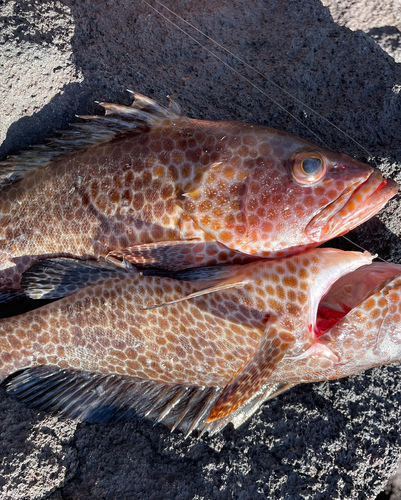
(324, 441)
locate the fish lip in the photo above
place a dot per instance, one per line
(364, 201)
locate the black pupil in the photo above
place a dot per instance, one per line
(311, 165)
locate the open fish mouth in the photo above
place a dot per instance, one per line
(354, 206)
(347, 292)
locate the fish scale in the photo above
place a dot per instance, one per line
(227, 331)
(148, 184)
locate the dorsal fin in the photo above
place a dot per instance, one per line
(143, 114)
(96, 397)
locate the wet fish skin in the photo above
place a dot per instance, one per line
(153, 186)
(229, 337)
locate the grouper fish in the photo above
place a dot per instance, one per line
(147, 184)
(198, 348)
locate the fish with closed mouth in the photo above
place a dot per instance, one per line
(198, 348)
(147, 184)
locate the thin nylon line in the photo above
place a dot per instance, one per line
(236, 72)
(254, 85)
(361, 248)
(316, 113)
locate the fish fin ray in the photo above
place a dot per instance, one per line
(221, 277)
(143, 114)
(59, 277)
(254, 373)
(205, 273)
(96, 397)
(245, 411)
(14, 302)
(170, 255)
(11, 295)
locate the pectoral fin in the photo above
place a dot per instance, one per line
(219, 278)
(254, 373)
(165, 254)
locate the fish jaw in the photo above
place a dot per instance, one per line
(370, 334)
(355, 205)
(366, 335)
(328, 265)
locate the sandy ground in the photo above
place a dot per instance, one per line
(337, 440)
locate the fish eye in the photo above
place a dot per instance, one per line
(308, 168)
(311, 165)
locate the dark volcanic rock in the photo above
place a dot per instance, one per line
(326, 441)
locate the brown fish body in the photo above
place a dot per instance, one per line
(228, 339)
(161, 189)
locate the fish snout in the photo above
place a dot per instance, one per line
(356, 204)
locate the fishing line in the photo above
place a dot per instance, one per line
(361, 248)
(216, 56)
(249, 66)
(231, 68)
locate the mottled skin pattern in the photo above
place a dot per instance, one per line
(231, 338)
(198, 192)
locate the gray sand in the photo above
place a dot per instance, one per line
(337, 440)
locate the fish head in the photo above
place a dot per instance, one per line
(271, 194)
(304, 195)
(353, 317)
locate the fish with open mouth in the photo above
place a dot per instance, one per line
(198, 348)
(147, 184)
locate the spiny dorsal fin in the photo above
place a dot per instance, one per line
(144, 113)
(57, 278)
